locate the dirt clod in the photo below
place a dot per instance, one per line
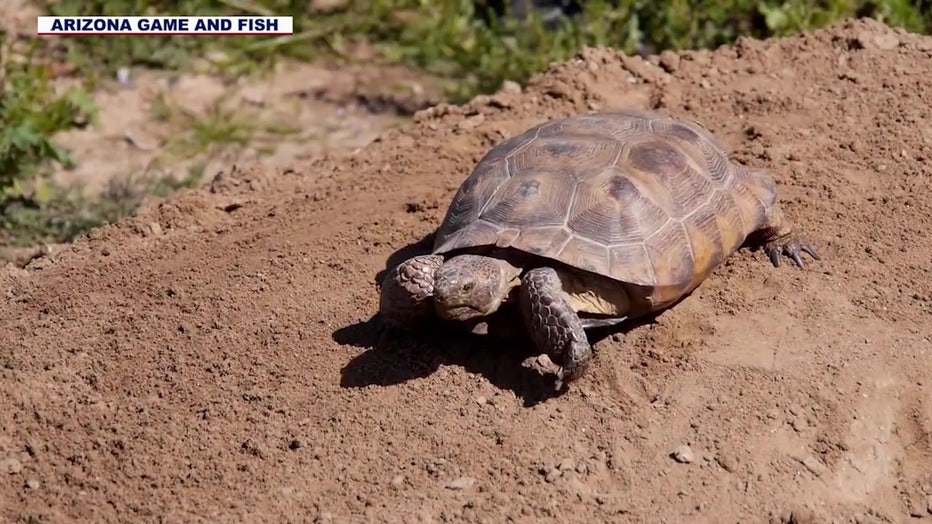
(135, 419)
(461, 483)
(11, 466)
(551, 474)
(814, 465)
(683, 454)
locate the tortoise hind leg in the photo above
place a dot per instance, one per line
(406, 298)
(779, 239)
(554, 326)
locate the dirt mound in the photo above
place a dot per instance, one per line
(214, 358)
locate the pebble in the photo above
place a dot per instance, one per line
(799, 424)
(798, 515)
(123, 76)
(728, 462)
(884, 42)
(11, 466)
(397, 481)
(552, 475)
(511, 87)
(461, 483)
(32, 484)
(887, 42)
(683, 454)
(670, 61)
(481, 400)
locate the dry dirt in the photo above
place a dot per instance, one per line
(158, 124)
(215, 359)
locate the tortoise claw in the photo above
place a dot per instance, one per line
(793, 248)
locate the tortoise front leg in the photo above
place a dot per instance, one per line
(779, 239)
(407, 292)
(553, 324)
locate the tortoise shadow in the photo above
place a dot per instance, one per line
(394, 355)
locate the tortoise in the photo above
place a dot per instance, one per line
(588, 221)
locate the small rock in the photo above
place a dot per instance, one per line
(11, 466)
(795, 516)
(481, 400)
(552, 475)
(32, 484)
(397, 481)
(541, 364)
(669, 61)
(566, 464)
(510, 87)
(727, 461)
(683, 454)
(887, 42)
(461, 483)
(581, 468)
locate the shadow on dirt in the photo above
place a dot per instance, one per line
(396, 355)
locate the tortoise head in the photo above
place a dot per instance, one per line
(470, 286)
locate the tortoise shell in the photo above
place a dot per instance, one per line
(642, 198)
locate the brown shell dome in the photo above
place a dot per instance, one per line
(638, 197)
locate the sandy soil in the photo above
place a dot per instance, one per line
(216, 359)
(158, 124)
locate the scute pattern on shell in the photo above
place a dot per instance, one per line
(639, 197)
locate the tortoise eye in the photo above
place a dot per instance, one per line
(468, 286)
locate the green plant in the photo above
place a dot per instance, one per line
(30, 112)
(462, 39)
(451, 38)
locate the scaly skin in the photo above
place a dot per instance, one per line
(462, 288)
(553, 324)
(407, 291)
(469, 287)
(779, 239)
